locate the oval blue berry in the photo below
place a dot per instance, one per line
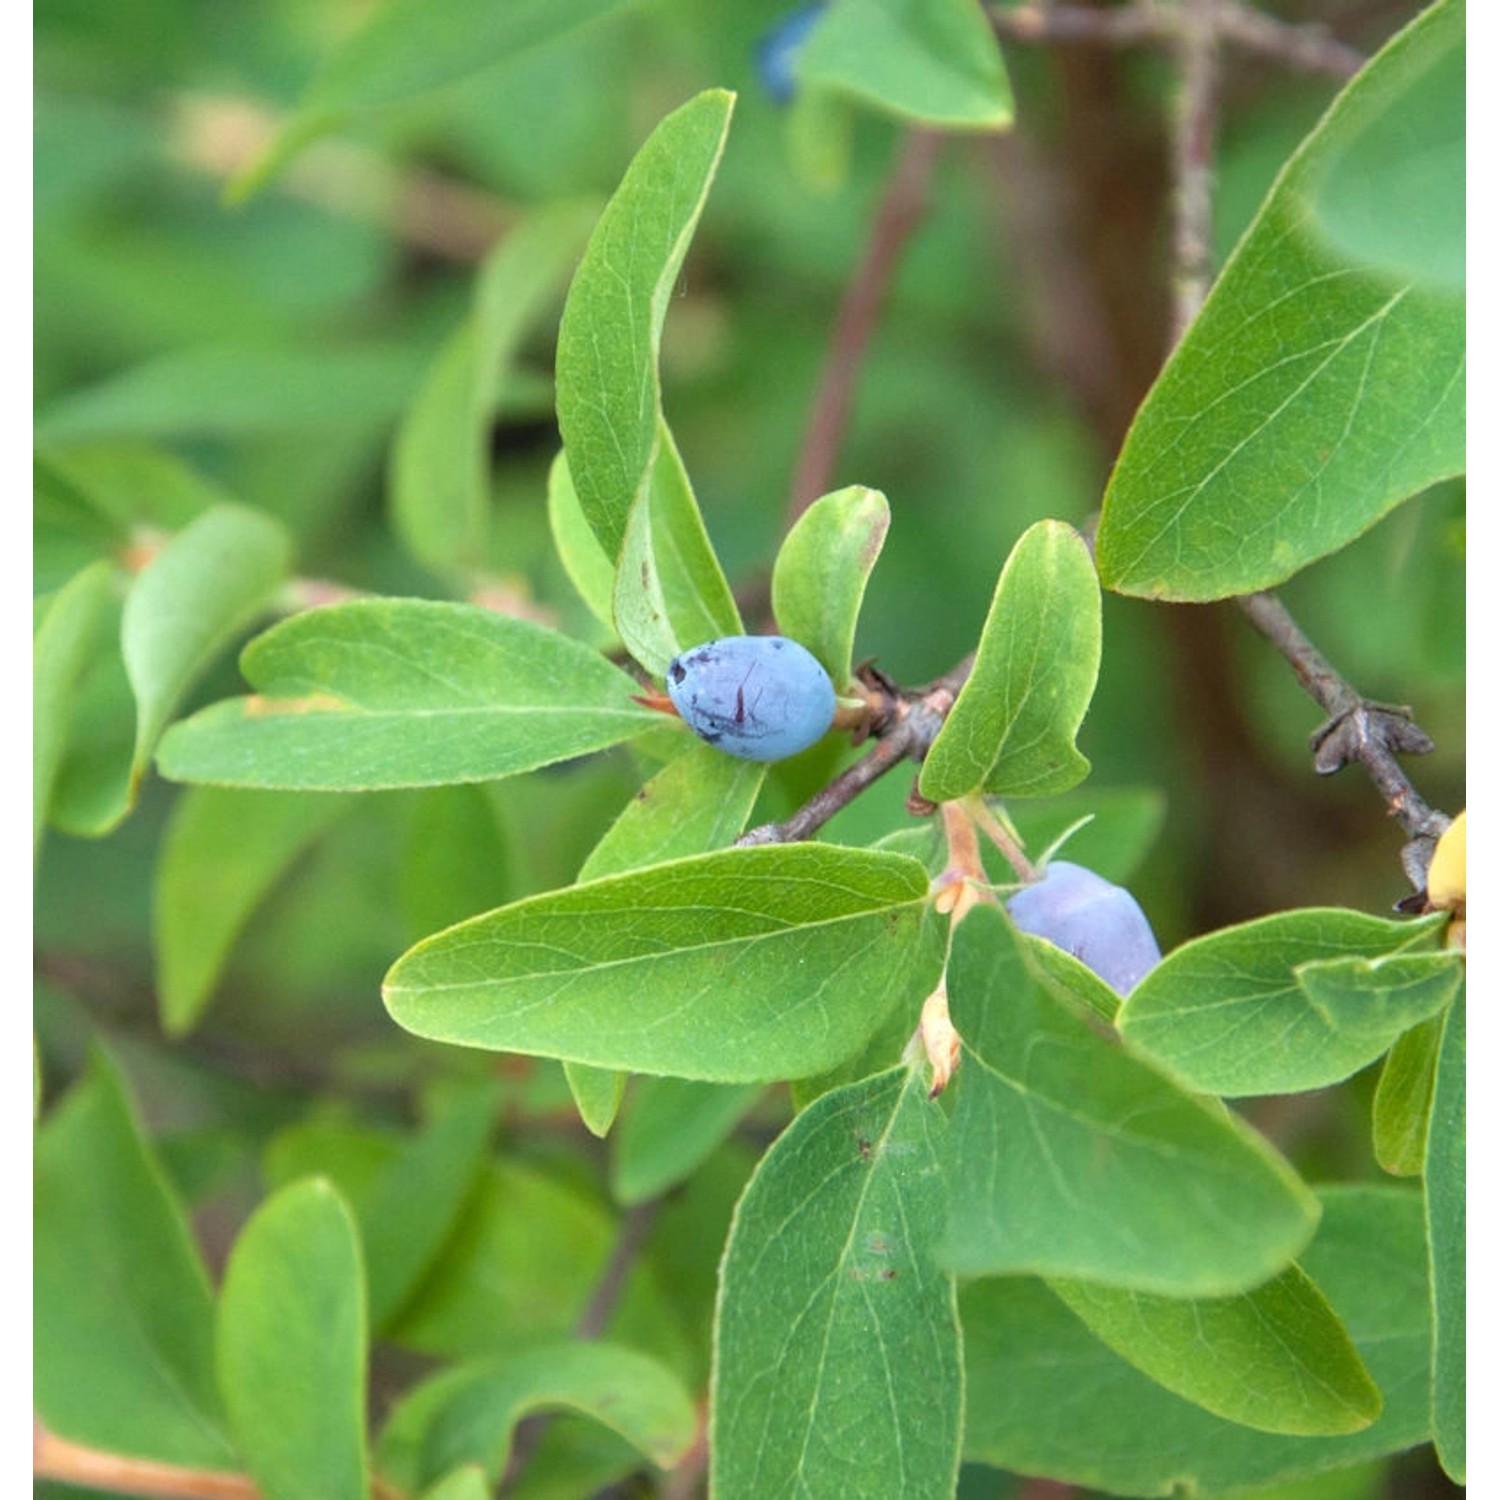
(1099, 923)
(760, 697)
(776, 52)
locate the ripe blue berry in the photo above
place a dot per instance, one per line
(776, 51)
(760, 697)
(1100, 924)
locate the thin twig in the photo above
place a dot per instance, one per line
(1306, 46)
(1357, 730)
(899, 213)
(1192, 161)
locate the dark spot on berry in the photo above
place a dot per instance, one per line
(676, 671)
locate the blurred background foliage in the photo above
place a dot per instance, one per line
(186, 349)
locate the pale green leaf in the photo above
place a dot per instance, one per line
(1392, 195)
(1309, 397)
(1038, 1380)
(1447, 1219)
(223, 853)
(467, 1483)
(439, 484)
(122, 1333)
(405, 692)
(670, 593)
(291, 1346)
(837, 1359)
(608, 387)
(1229, 1013)
(742, 966)
(1012, 729)
(1274, 1358)
(672, 1126)
(468, 1414)
(933, 61)
(818, 583)
(61, 651)
(590, 568)
(1069, 1157)
(598, 1093)
(1403, 1100)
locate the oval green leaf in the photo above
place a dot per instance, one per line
(834, 1318)
(737, 967)
(1403, 1100)
(291, 1346)
(1230, 1013)
(405, 692)
(1447, 1220)
(1069, 1157)
(1012, 729)
(671, 1127)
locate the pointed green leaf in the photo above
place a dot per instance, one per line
(1311, 394)
(61, 651)
(198, 593)
(1408, 151)
(590, 568)
(223, 853)
(818, 583)
(1447, 1219)
(1403, 1100)
(671, 1127)
(608, 388)
(837, 1357)
(415, 1202)
(1275, 1358)
(291, 1346)
(1069, 1157)
(123, 1310)
(933, 61)
(405, 692)
(743, 966)
(670, 593)
(440, 462)
(1012, 729)
(1038, 1379)
(469, 1414)
(1229, 1013)
(598, 1093)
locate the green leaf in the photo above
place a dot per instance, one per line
(199, 592)
(1310, 396)
(1012, 729)
(123, 1310)
(459, 856)
(1447, 1219)
(69, 532)
(608, 388)
(1069, 1157)
(415, 1202)
(440, 462)
(236, 392)
(737, 967)
(837, 1361)
(405, 692)
(469, 1414)
(598, 1093)
(934, 61)
(1259, 1009)
(696, 803)
(291, 1346)
(462, 1484)
(590, 568)
(672, 1126)
(61, 651)
(1403, 1099)
(669, 593)
(1037, 1379)
(224, 851)
(818, 583)
(1275, 1358)
(1392, 196)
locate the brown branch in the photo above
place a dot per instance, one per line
(1309, 47)
(1357, 730)
(1193, 139)
(900, 211)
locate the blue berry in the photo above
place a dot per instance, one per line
(1100, 924)
(776, 51)
(760, 697)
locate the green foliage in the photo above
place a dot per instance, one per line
(906, 1203)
